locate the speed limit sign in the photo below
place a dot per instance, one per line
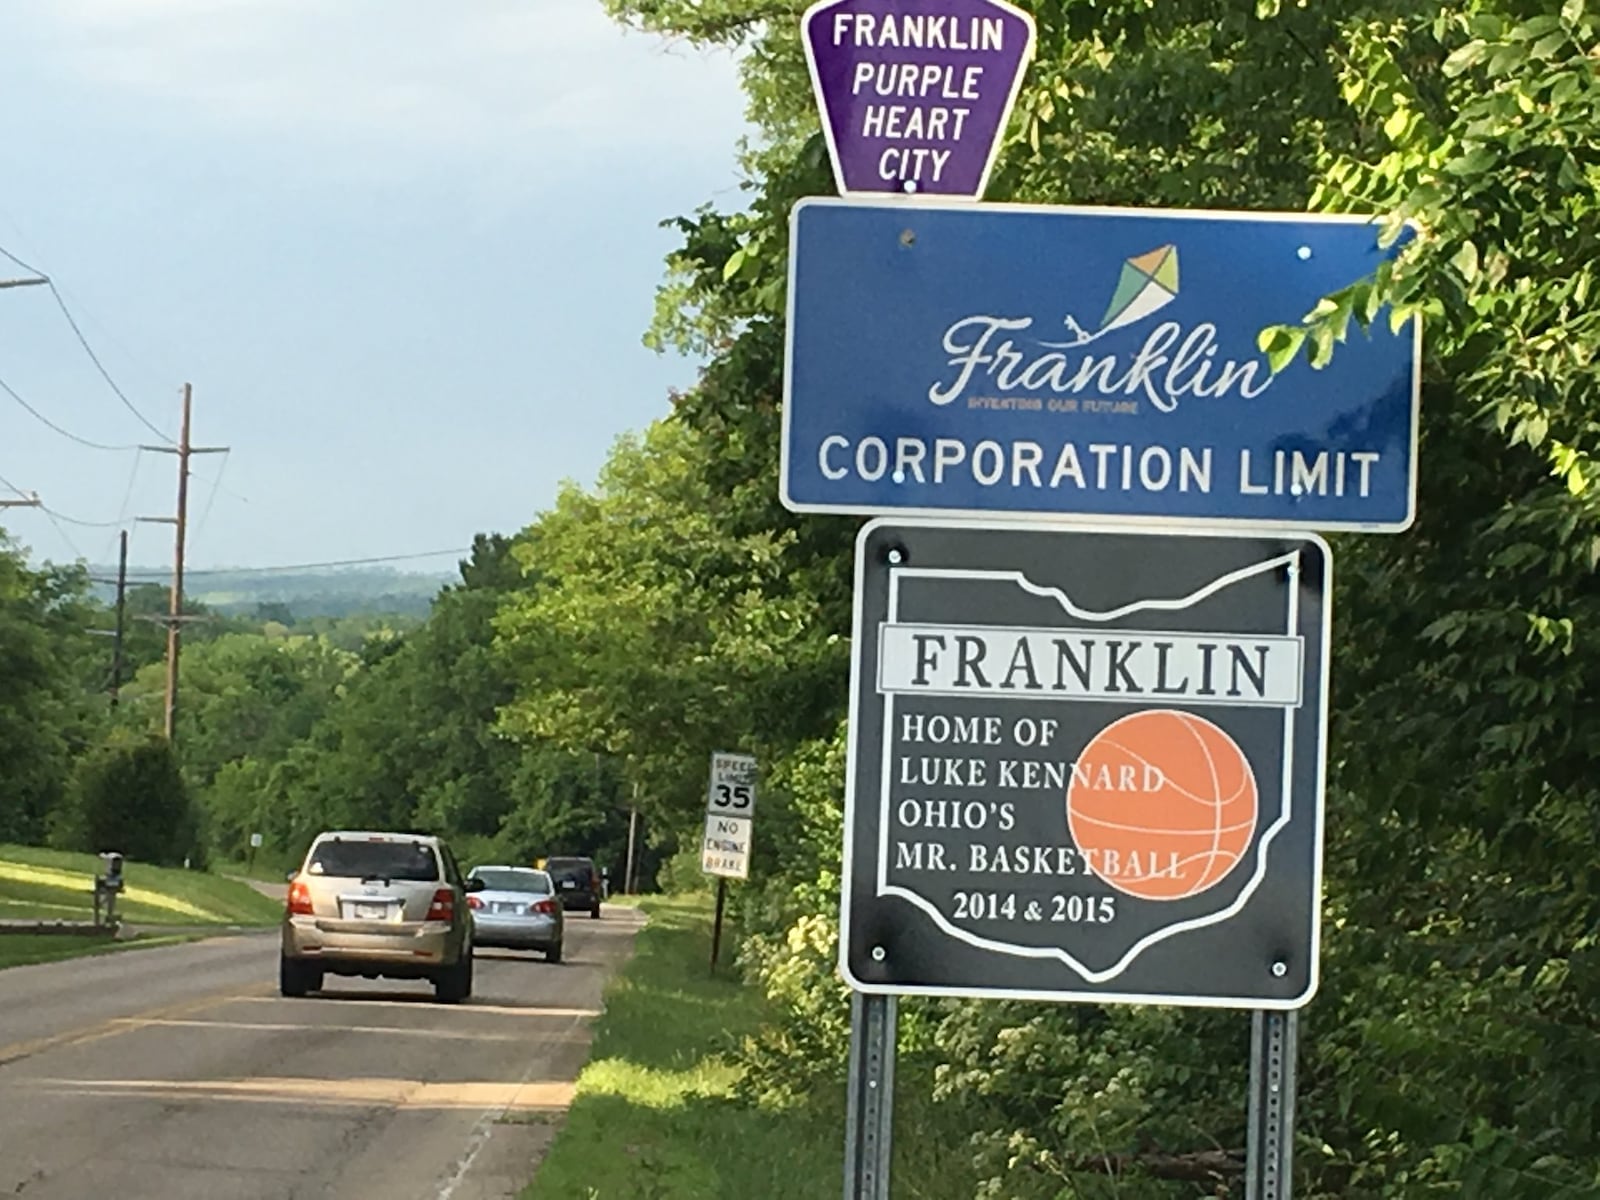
(733, 786)
(730, 803)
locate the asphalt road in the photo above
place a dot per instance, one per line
(180, 1073)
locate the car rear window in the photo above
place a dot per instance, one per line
(375, 860)
(513, 881)
(569, 868)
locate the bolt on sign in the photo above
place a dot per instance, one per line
(915, 94)
(730, 813)
(1086, 764)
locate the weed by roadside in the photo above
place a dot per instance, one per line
(658, 1115)
(23, 949)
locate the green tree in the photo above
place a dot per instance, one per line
(1461, 896)
(128, 795)
(46, 670)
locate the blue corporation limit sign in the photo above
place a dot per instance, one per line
(951, 360)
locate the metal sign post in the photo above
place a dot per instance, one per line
(730, 816)
(869, 1113)
(1274, 1043)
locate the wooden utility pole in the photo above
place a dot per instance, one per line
(181, 523)
(633, 827)
(122, 607)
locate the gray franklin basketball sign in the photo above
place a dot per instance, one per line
(1086, 765)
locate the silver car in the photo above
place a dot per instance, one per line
(378, 904)
(517, 908)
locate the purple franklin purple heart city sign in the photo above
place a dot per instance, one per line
(915, 93)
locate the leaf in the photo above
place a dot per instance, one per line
(734, 264)
(1394, 128)
(1280, 344)
(1546, 46)
(1465, 260)
(1463, 57)
(1267, 9)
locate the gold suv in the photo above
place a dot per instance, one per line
(371, 904)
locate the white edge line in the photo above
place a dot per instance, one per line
(1029, 49)
(1166, 931)
(886, 765)
(816, 89)
(1099, 210)
(852, 753)
(1020, 578)
(785, 435)
(1111, 522)
(1319, 795)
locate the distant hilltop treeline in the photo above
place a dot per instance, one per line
(327, 592)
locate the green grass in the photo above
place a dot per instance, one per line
(20, 949)
(54, 885)
(656, 1116)
(267, 868)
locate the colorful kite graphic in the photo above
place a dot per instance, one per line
(1148, 282)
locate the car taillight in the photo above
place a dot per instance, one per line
(300, 899)
(443, 907)
(544, 906)
(474, 902)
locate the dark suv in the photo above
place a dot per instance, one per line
(577, 882)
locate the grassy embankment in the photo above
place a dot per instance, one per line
(52, 885)
(657, 1116)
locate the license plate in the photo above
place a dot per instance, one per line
(506, 908)
(569, 883)
(371, 912)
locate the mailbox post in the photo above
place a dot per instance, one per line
(106, 889)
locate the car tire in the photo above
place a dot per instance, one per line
(454, 984)
(297, 978)
(594, 913)
(553, 954)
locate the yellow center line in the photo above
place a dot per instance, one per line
(522, 1096)
(17, 1051)
(290, 1027)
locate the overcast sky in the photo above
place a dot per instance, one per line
(403, 250)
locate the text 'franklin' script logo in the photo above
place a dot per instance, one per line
(1173, 363)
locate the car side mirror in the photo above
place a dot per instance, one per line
(292, 876)
(474, 885)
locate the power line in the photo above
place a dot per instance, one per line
(55, 516)
(25, 495)
(344, 562)
(66, 433)
(87, 348)
(133, 476)
(50, 516)
(216, 486)
(46, 509)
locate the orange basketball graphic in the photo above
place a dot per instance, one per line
(1162, 804)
